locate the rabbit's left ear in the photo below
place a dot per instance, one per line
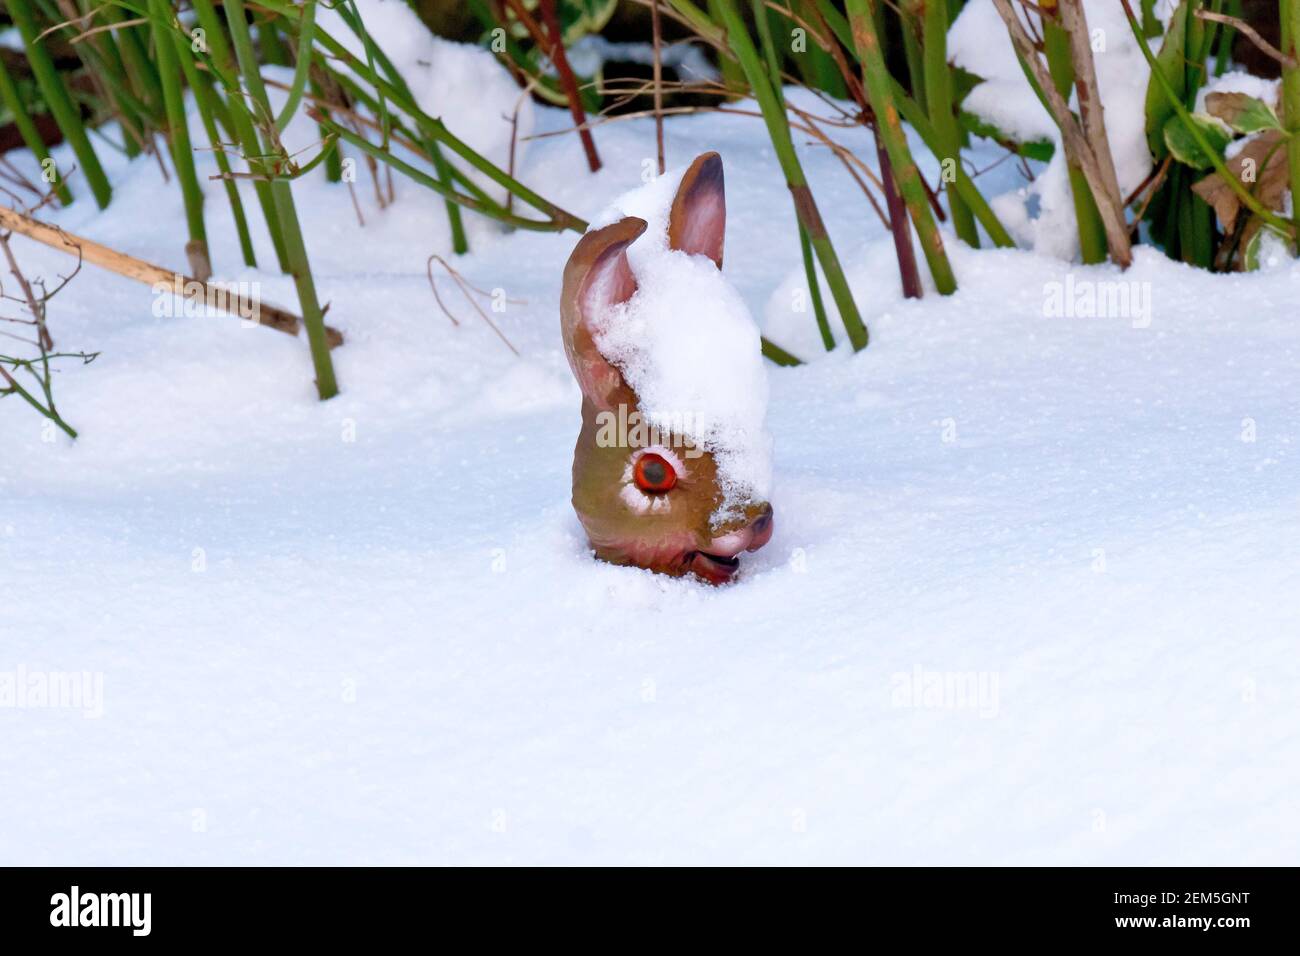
(697, 222)
(597, 278)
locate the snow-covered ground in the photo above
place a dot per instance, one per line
(1033, 595)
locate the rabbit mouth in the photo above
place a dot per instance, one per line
(719, 568)
(714, 568)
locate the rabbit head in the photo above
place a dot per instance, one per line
(647, 497)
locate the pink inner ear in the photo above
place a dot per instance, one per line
(705, 229)
(697, 224)
(609, 283)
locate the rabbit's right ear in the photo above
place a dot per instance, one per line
(597, 278)
(697, 222)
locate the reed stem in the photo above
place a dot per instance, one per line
(210, 109)
(878, 84)
(939, 102)
(1056, 45)
(778, 128)
(59, 102)
(287, 214)
(178, 134)
(1290, 12)
(31, 136)
(438, 132)
(759, 9)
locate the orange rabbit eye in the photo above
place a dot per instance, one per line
(654, 474)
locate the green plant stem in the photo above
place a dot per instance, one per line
(1226, 35)
(816, 65)
(917, 119)
(169, 72)
(1290, 11)
(13, 102)
(815, 290)
(424, 179)
(879, 91)
(287, 214)
(306, 35)
(214, 37)
(333, 161)
(438, 132)
(1092, 233)
(780, 356)
(759, 9)
(109, 65)
(300, 268)
(910, 16)
(60, 104)
(939, 102)
(1209, 32)
(139, 69)
(274, 51)
(109, 72)
(896, 217)
(239, 120)
(10, 383)
(733, 72)
(352, 16)
(427, 148)
(705, 24)
(778, 128)
(206, 99)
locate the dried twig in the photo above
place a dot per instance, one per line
(551, 42)
(658, 81)
(1091, 108)
(150, 274)
(39, 367)
(466, 289)
(1250, 33)
(34, 306)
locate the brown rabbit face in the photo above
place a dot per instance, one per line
(651, 498)
(655, 507)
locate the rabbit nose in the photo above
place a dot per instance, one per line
(761, 529)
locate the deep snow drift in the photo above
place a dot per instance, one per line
(1032, 597)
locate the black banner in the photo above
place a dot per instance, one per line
(1163, 907)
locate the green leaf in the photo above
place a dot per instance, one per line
(580, 17)
(1180, 142)
(963, 81)
(577, 18)
(1243, 113)
(1265, 243)
(1170, 62)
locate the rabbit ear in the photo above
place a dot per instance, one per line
(698, 219)
(597, 278)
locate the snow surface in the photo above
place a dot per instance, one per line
(368, 630)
